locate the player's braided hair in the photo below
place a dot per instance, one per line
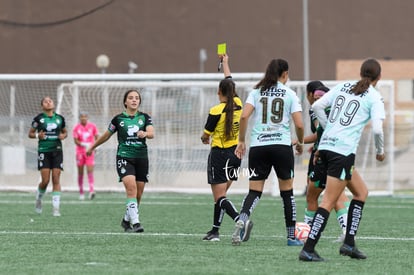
(370, 71)
(274, 70)
(228, 89)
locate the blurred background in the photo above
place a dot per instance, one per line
(156, 40)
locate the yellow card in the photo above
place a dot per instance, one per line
(221, 49)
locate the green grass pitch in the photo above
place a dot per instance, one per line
(88, 239)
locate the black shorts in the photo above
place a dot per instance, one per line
(50, 160)
(311, 167)
(318, 175)
(263, 158)
(337, 165)
(223, 165)
(137, 167)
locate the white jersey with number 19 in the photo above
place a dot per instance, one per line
(348, 117)
(272, 115)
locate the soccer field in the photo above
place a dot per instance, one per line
(88, 239)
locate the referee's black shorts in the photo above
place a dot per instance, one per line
(223, 165)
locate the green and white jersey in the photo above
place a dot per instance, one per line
(52, 126)
(348, 116)
(127, 127)
(272, 115)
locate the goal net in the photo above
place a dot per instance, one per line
(178, 107)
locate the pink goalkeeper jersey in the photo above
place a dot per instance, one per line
(86, 135)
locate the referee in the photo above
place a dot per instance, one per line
(222, 127)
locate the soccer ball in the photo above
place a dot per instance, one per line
(302, 231)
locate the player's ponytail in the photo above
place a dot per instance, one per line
(228, 90)
(274, 71)
(370, 71)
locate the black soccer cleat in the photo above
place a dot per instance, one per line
(245, 233)
(136, 228)
(125, 225)
(310, 256)
(212, 237)
(351, 251)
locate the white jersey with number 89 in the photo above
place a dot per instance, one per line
(348, 117)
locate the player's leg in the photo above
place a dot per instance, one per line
(126, 173)
(218, 189)
(312, 197)
(318, 183)
(141, 177)
(341, 209)
(289, 208)
(44, 165)
(310, 171)
(339, 169)
(259, 168)
(358, 188)
(131, 213)
(244, 225)
(219, 193)
(334, 187)
(41, 188)
(57, 167)
(90, 163)
(222, 169)
(230, 165)
(56, 193)
(80, 162)
(283, 163)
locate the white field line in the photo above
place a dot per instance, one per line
(141, 235)
(178, 201)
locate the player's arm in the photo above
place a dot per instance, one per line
(318, 108)
(80, 143)
(244, 120)
(205, 138)
(226, 67)
(307, 139)
(378, 138)
(32, 133)
(76, 137)
(149, 132)
(149, 129)
(102, 139)
(300, 131)
(63, 134)
(77, 141)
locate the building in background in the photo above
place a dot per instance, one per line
(59, 36)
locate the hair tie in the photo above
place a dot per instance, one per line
(318, 93)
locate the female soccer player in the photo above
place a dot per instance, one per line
(50, 129)
(317, 177)
(352, 104)
(84, 135)
(272, 105)
(133, 128)
(223, 127)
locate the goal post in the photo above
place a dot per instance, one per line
(179, 105)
